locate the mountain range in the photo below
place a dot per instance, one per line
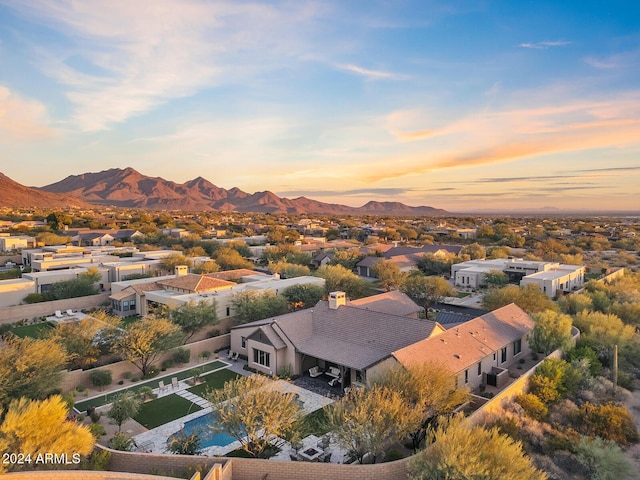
(129, 188)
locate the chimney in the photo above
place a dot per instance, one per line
(181, 270)
(336, 299)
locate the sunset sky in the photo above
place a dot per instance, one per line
(461, 105)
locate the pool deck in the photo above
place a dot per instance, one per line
(155, 440)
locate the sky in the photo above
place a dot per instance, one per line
(462, 105)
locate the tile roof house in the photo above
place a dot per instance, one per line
(407, 258)
(353, 338)
(352, 342)
(477, 348)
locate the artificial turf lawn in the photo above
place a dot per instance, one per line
(213, 381)
(163, 410)
(37, 330)
(153, 383)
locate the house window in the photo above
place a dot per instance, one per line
(228, 311)
(132, 304)
(243, 342)
(479, 368)
(517, 347)
(503, 355)
(494, 356)
(125, 305)
(466, 377)
(261, 358)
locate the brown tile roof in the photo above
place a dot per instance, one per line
(358, 338)
(140, 288)
(196, 283)
(353, 336)
(229, 274)
(465, 345)
(395, 303)
(122, 294)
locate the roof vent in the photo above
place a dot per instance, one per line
(457, 356)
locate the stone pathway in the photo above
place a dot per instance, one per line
(192, 397)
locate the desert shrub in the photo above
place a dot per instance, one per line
(182, 355)
(145, 393)
(97, 430)
(603, 459)
(533, 406)
(544, 388)
(95, 416)
(285, 372)
(183, 444)
(167, 364)
(393, 455)
(98, 460)
(100, 378)
(122, 441)
(610, 422)
(588, 353)
(561, 413)
(151, 372)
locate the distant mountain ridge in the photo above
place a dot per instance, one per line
(15, 195)
(129, 188)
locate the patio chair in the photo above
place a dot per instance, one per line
(174, 382)
(59, 314)
(161, 387)
(230, 355)
(70, 313)
(235, 356)
(294, 458)
(333, 381)
(315, 372)
(327, 458)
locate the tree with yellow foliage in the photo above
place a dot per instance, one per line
(29, 368)
(145, 341)
(37, 428)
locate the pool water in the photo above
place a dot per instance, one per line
(208, 438)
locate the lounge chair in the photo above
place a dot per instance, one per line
(315, 372)
(161, 387)
(70, 313)
(230, 355)
(235, 356)
(59, 314)
(174, 382)
(333, 381)
(333, 372)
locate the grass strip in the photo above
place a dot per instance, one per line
(164, 410)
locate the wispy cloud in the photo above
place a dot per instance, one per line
(513, 134)
(21, 119)
(545, 44)
(358, 192)
(150, 52)
(369, 74)
(616, 61)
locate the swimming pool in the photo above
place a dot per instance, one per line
(208, 438)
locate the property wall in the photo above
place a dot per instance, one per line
(82, 475)
(82, 377)
(496, 403)
(254, 469)
(21, 312)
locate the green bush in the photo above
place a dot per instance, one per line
(393, 455)
(167, 364)
(98, 460)
(122, 441)
(182, 355)
(603, 459)
(151, 372)
(533, 406)
(100, 378)
(95, 416)
(97, 430)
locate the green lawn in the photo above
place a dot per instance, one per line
(163, 410)
(37, 330)
(153, 383)
(213, 381)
